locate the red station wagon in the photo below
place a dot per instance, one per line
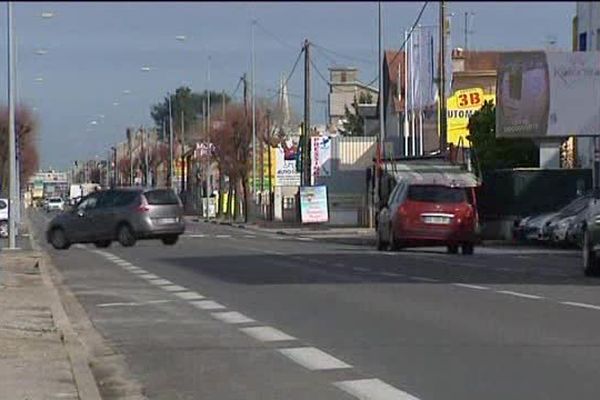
(426, 213)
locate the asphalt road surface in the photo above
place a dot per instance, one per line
(229, 313)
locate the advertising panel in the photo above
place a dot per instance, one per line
(313, 204)
(285, 164)
(548, 94)
(460, 107)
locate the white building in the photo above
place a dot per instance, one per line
(586, 32)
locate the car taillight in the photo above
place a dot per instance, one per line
(143, 207)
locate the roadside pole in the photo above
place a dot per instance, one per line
(12, 188)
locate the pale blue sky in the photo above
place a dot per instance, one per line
(96, 50)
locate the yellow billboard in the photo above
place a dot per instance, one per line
(460, 107)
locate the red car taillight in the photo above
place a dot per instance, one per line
(143, 207)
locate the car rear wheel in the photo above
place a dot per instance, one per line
(3, 229)
(468, 249)
(394, 244)
(102, 244)
(590, 261)
(452, 249)
(170, 240)
(59, 240)
(125, 236)
(381, 245)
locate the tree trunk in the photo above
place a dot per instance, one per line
(245, 199)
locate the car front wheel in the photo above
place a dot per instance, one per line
(59, 240)
(170, 240)
(125, 236)
(590, 261)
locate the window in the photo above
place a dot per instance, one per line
(88, 203)
(124, 198)
(161, 197)
(3, 205)
(582, 41)
(344, 77)
(436, 194)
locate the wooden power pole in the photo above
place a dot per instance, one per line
(306, 128)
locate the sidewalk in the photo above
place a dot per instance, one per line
(40, 356)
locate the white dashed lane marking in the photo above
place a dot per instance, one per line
(267, 334)
(208, 305)
(232, 317)
(133, 304)
(149, 276)
(373, 389)
(476, 287)
(173, 288)
(313, 359)
(160, 282)
(518, 294)
(305, 239)
(222, 236)
(189, 296)
(581, 305)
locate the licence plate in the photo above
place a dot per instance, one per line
(436, 220)
(163, 221)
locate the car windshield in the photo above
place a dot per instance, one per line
(436, 194)
(55, 200)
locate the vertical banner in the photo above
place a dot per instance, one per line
(320, 159)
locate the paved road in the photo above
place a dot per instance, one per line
(233, 314)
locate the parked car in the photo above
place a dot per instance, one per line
(556, 228)
(429, 214)
(3, 218)
(591, 239)
(531, 228)
(125, 215)
(55, 204)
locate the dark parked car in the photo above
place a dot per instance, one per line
(557, 228)
(125, 215)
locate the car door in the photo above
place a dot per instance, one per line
(84, 218)
(386, 214)
(104, 214)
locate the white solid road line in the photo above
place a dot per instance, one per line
(222, 236)
(189, 296)
(582, 305)
(518, 294)
(267, 334)
(195, 236)
(373, 389)
(208, 305)
(305, 239)
(232, 317)
(313, 359)
(423, 279)
(477, 287)
(173, 288)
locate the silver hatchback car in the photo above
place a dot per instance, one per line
(123, 214)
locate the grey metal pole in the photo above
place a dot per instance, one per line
(381, 111)
(147, 157)
(208, 185)
(170, 183)
(182, 151)
(253, 117)
(12, 187)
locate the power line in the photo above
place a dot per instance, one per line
(273, 36)
(291, 72)
(340, 55)
(414, 25)
(319, 73)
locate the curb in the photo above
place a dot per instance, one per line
(85, 382)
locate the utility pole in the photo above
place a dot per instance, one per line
(147, 157)
(253, 117)
(144, 183)
(12, 187)
(269, 166)
(115, 168)
(306, 145)
(208, 129)
(223, 104)
(182, 152)
(442, 76)
(245, 82)
(130, 153)
(467, 30)
(170, 183)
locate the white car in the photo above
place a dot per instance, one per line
(3, 218)
(55, 204)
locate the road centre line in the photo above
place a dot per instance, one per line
(581, 305)
(373, 389)
(267, 334)
(518, 294)
(232, 317)
(313, 359)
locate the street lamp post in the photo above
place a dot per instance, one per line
(13, 196)
(170, 183)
